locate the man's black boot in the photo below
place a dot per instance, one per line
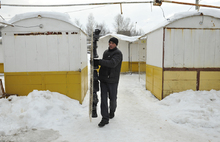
(103, 123)
(111, 115)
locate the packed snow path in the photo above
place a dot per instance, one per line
(139, 117)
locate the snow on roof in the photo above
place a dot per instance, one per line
(54, 15)
(181, 15)
(122, 37)
(3, 23)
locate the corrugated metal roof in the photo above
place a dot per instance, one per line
(181, 15)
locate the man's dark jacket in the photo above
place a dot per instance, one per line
(110, 66)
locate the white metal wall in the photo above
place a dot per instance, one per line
(196, 22)
(42, 53)
(138, 51)
(52, 52)
(154, 52)
(83, 48)
(102, 46)
(1, 54)
(192, 48)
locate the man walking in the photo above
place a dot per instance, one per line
(109, 74)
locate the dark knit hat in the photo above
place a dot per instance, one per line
(113, 39)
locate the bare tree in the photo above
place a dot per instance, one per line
(135, 32)
(90, 26)
(125, 26)
(77, 22)
(122, 24)
(103, 28)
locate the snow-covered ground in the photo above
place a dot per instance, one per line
(43, 116)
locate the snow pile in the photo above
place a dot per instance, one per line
(40, 109)
(42, 116)
(194, 108)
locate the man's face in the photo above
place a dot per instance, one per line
(112, 45)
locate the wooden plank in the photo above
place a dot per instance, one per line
(1, 68)
(158, 83)
(157, 93)
(21, 90)
(209, 75)
(179, 85)
(180, 75)
(22, 79)
(209, 80)
(209, 85)
(55, 79)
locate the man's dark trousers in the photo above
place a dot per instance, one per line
(108, 90)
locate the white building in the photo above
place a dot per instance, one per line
(184, 53)
(45, 51)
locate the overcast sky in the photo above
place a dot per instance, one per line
(144, 15)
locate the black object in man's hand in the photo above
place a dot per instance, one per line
(96, 62)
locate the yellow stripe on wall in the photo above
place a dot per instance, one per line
(177, 81)
(74, 84)
(1, 68)
(135, 66)
(125, 67)
(154, 80)
(209, 80)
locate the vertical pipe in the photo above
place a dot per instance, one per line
(129, 57)
(121, 8)
(197, 7)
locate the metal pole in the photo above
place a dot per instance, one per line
(197, 7)
(185, 3)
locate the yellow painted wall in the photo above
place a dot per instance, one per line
(209, 80)
(154, 80)
(177, 81)
(1, 68)
(74, 84)
(124, 67)
(134, 67)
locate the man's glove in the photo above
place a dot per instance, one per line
(96, 62)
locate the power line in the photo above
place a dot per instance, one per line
(67, 5)
(84, 9)
(185, 3)
(109, 3)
